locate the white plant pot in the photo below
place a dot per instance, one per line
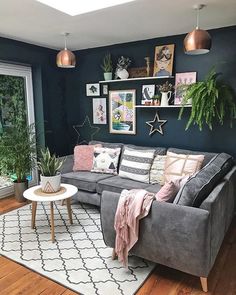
(123, 74)
(50, 184)
(107, 76)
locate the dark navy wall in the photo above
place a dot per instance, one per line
(48, 88)
(222, 55)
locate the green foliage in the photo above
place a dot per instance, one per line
(17, 139)
(49, 164)
(211, 99)
(107, 63)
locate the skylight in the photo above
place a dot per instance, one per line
(75, 7)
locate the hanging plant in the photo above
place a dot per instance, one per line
(211, 99)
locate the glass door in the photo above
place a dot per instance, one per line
(16, 98)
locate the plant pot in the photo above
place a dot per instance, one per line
(123, 74)
(165, 97)
(107, 76)
(19, 188)
(50, 184)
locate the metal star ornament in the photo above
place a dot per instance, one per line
(85, 131)
(153, 125)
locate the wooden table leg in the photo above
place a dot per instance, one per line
(69, 210)
(52, 222)
(34, 207)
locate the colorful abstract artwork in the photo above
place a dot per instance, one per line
(122, 111)
(182, 79)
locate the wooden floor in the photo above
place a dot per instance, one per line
(16, 279)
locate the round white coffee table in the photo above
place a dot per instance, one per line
(35, 194)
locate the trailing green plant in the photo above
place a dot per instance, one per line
(49, 164)
(107, 64)
(211, 99)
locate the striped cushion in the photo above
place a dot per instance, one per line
(136, 164)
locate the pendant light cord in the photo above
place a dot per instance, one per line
(197, 18)
(65, 41)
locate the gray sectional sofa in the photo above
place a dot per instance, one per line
(185, 235)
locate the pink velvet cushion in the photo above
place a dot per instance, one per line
(83, 157)
(170, 189)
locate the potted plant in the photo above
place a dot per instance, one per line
(49, 166)
(107, 67)
(17, 141)
(121, 68)
(156, 100)
(166, 91)
(211, 99)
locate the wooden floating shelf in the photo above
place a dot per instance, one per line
(169, 106)
(136, 79)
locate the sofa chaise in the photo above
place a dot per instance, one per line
(181, 236)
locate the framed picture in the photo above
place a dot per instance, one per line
(148, 91)
(122, 117)
(182, 79)
(99, 111)
(163, 60)
(105, 89)
(93, 89)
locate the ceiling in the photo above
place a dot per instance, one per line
(32, 22)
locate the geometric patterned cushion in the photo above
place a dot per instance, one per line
(178, 165)
(157, 170)
(105, 160)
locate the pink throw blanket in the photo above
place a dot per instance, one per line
(133, 205)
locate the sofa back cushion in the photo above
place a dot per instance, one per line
(105, 160)
(135, 164)
(207, 156)
(110, 145)
(178, 165)
(198, 187)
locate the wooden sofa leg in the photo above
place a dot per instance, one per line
(204, 284)
(113, 256)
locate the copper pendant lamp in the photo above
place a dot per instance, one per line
(198, 41)
(66, 58)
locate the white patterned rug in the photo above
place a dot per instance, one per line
(78, 259)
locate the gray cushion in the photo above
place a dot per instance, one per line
(84, 180)
(107, 144)
(117, 184)
(198, 187)
(207, 158)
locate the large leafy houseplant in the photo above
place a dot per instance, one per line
(212, 99)
(17, 139)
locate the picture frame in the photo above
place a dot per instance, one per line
(93, 89)
(163, 60)
(148, 91)
(99, 111)
(122, 115)
(105, 89)
(182, 79)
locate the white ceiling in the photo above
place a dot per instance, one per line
(31, 21)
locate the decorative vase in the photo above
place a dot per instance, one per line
(123, 74)
(19, 188)
(107, 76)
(50, 184)
(165, 97)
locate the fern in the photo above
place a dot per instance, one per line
(211, 100)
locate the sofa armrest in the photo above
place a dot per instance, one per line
(172, 235)
(68, 164)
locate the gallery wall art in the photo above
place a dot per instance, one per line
(163, 60)
(99, 111)
(93, 89)
(122, 118)
(182, 79)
